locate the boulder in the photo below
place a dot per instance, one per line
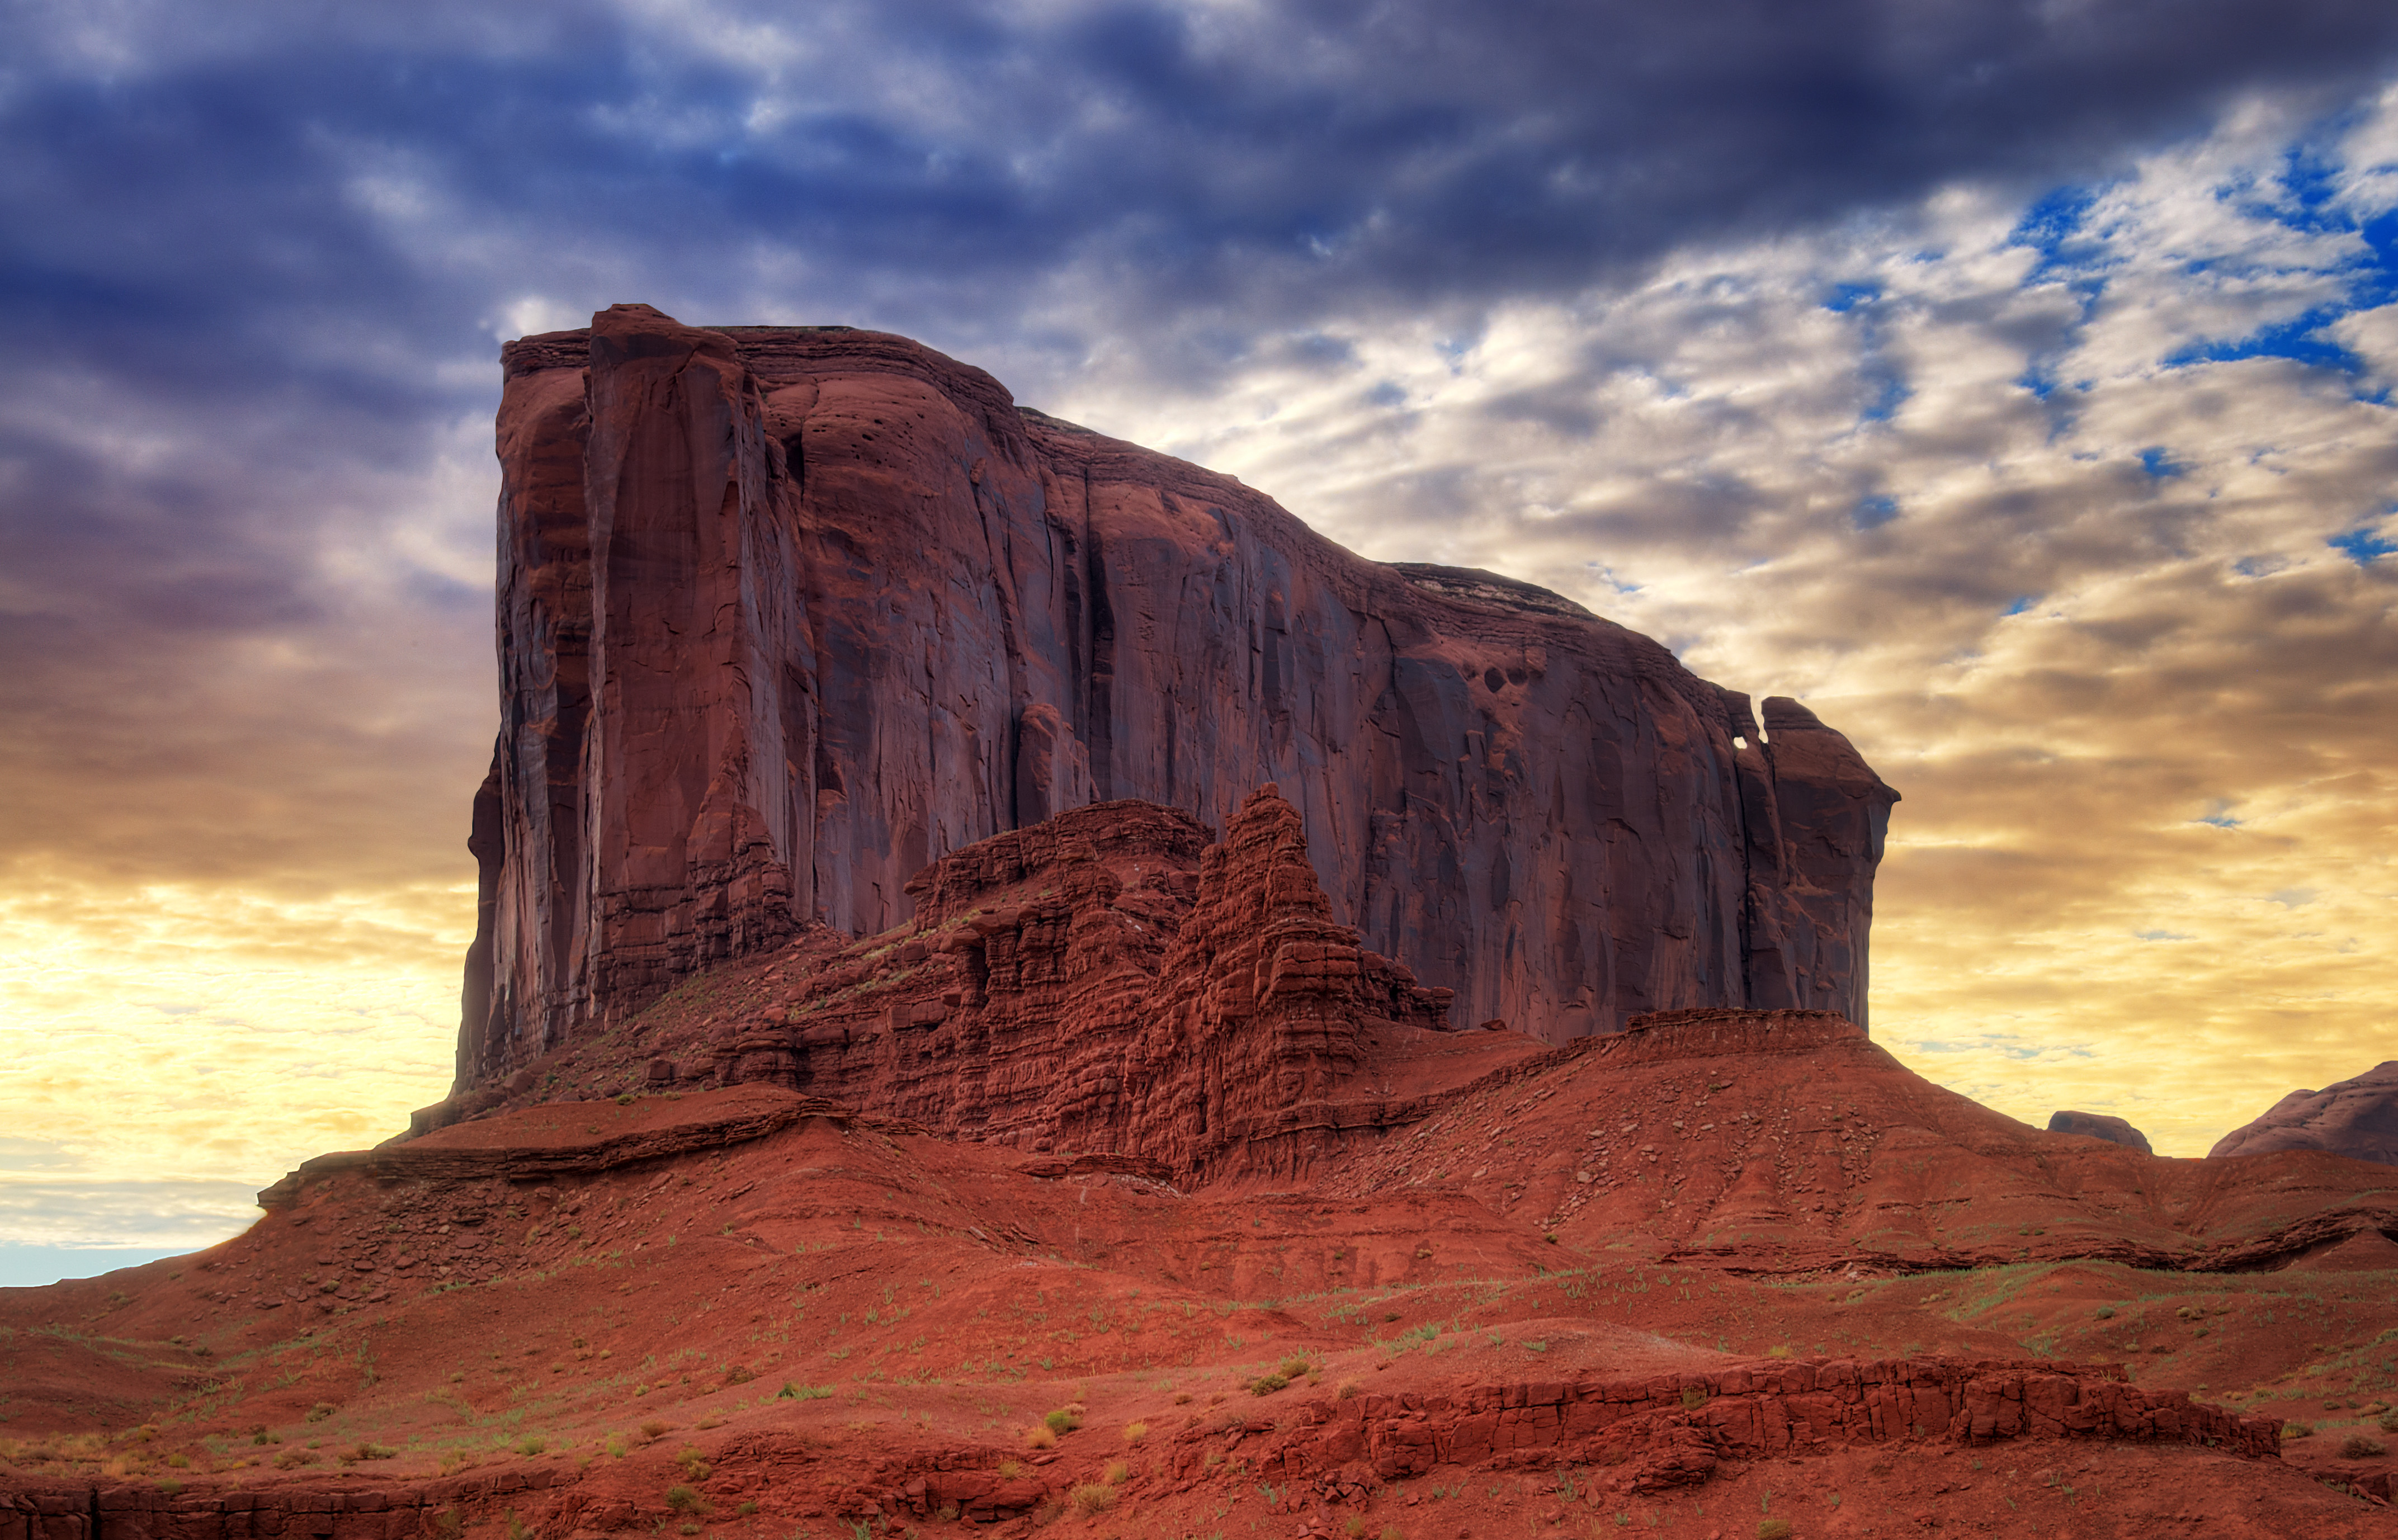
(2114, 1130)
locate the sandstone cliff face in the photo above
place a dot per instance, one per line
(786, 615)
(2357, 1118)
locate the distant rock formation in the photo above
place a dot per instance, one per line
(2357, 1118)
(2114, 1130)
(786, 615)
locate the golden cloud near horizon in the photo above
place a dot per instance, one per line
(201, 1041)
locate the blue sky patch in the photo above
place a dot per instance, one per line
(1847, 296)
(2157, 463)
(1886, 402)
(1607, 574)
(2021, 606)
(2055, 227)
(33, 1267)
(2301, 339)
(2361, 545)
(1872, 513)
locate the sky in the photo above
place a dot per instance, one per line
(2011, 382)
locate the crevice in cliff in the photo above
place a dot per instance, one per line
(1100, 712)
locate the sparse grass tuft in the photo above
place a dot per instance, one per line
(1039, 1437)
(1774, 1529)
(1092, 1498)
(653, 1429)
(1063, 1421)
(2356, 1446)
(685, 1499)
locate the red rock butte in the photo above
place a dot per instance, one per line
(786, 615)
(1020, 991)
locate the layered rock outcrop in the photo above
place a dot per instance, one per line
(786, 615)
(1107, 982)
(1669, 1430)
(2114, 1130)
(2357, 1118)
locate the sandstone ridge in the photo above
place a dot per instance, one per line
(788, 615)
(2357, 1118)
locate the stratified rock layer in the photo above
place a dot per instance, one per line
(2114, 1130)
(2357, 1118)
(788, 613)
(1106, 981)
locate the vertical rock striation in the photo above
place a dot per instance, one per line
(788, 613)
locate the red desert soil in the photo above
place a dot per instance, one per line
(734, 1312)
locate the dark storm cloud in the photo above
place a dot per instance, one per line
(255, 261)
(943, 154)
